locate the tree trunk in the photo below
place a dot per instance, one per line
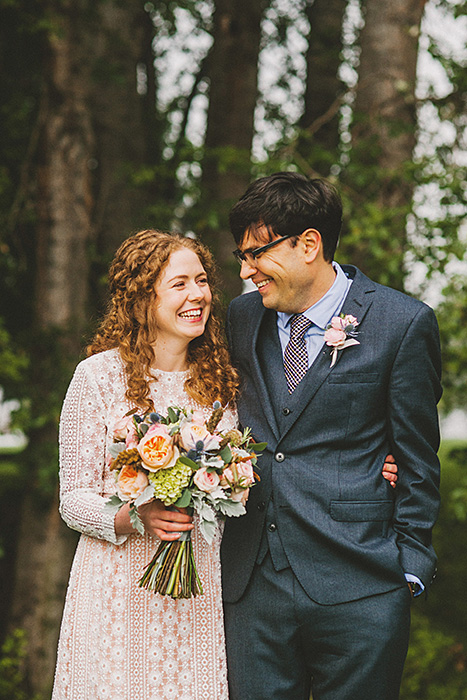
(385, 122)
(233, 75)
(319, 142)
(91, 141)
(119, 38)
(64, 205)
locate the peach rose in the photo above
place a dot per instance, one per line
(157, 449)
(131, 482)
(206, 481)
(191, 433)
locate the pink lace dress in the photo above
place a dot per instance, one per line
(118, 641)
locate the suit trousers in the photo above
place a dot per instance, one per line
(281, 645)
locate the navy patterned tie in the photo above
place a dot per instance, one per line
(296, 355)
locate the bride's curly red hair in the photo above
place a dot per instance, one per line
(128, 324)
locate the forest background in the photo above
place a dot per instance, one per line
(118, 115)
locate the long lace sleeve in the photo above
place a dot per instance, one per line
(82, 439)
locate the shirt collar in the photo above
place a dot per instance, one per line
(329, 305)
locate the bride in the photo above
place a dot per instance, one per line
(159, 345)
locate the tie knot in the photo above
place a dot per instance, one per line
(299, 325)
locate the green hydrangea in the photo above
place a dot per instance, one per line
(169, 483)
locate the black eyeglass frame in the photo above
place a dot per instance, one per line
(242, 256)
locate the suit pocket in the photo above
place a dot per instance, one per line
(353, 378)
(361, 511)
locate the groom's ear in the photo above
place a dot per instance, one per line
(312, 244)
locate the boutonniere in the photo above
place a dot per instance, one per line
(340, 334)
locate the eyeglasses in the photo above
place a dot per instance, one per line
(249, 256)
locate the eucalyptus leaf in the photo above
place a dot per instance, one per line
(143, 428)
(172, 415)
(184, 500)
(188, 462)
(258, 446)
(226, 454)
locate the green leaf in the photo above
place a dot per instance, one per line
(258, 446)
(226, 454)
(188, 462)
(184, 500)
(172, 415)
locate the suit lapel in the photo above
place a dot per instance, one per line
(265, 319)
(357, 303)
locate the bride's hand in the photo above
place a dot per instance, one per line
(165, 523)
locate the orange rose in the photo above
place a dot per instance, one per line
(157, 449)
(131, 482)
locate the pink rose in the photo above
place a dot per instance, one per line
(197, 417)
(157, 448)
(245, 473)
(132, 438)
(191, 433)
(131, 482)
(228, 478)
(336, 322)
(334, 336)
(240, 474)
(206, 481)
(240, 495)
(122, 427)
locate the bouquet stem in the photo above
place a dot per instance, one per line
(172, 570)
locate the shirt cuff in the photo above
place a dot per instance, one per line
(414, 579)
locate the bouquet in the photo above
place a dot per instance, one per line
(183, 461)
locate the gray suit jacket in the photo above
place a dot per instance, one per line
(345, 532)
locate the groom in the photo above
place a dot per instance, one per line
(318, 576)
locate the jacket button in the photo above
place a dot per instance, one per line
(272, 527)
(261, 506)
(280, 456)
(286, 411)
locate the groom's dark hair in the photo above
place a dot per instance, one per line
(288, 204)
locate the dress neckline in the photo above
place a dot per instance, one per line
(175, 373)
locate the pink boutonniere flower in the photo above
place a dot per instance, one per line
(340, 334)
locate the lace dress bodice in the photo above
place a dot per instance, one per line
(119, 641)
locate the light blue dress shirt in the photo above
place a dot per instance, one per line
(321, 314)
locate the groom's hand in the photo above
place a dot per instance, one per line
(165, 523)
(390, 470)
